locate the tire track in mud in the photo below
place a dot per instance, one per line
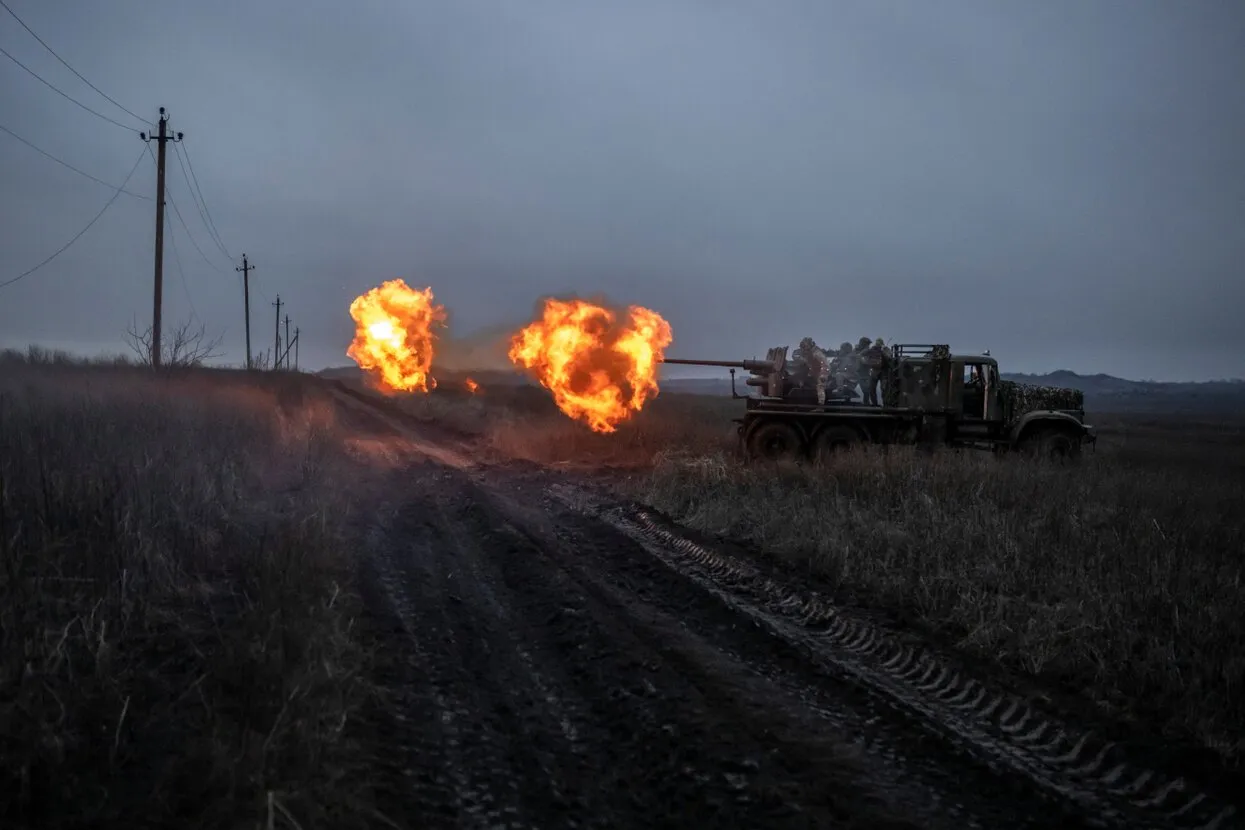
(996, 725)
(573, 711)
(919, 776)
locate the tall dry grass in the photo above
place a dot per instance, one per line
(1120, 578)
(175, 603)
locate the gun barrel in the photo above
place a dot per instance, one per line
(733, 364)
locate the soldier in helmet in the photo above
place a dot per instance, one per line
(810, 367)
(871, 373)
(798, 365)
(844, 369)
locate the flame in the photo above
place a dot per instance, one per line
(471, 385)
(394, 335)
(599, 370)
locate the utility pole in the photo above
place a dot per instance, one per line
(158, 300)
(276, 340)
(246, 270)
(296, 348)
(287, 341)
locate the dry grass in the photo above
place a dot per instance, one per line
(175, 610)
(1120, 579)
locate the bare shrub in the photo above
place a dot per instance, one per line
(182, 346)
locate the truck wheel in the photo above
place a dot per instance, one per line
(834, 440)
(1052, 445)
(774, 441)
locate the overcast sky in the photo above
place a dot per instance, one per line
(1061, 182)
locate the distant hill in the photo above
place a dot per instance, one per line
(1106, 393)
(1103, 393)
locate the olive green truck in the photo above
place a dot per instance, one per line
(930, 397)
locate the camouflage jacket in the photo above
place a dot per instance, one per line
(811, 364)
(874, 358)
(848, 364)
(1019, 399)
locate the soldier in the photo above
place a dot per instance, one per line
(888, 361)
(811, 367)
(844, 369)
(874, 363)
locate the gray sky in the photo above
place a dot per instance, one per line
(1060, 182)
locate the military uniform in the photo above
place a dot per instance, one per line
(874, 363)
(844, 370)
(810, 367)
(861, 363)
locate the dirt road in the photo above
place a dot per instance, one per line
(555, 659)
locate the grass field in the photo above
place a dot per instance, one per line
(1120, 579)
(176, 611)
(175, 606)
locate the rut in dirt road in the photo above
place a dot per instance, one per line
(548, 671)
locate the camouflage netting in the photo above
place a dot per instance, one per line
(1027, 397)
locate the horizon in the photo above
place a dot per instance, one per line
(667, 372)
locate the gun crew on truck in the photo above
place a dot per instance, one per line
(929, 397)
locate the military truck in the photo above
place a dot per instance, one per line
(930, 397)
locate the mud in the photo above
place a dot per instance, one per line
(552, 659)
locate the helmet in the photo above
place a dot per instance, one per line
(879, 342)
(864, 343)
(846, 347)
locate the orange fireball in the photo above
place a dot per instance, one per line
(599, 370)
(471, 385)
(394, 334)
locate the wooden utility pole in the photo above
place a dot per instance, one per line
(276, 340)
(296, 348)
(158, 300)
(246, 270)
(287, 341)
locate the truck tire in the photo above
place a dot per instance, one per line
(834, 440)
(1052, 444)
(775, 441)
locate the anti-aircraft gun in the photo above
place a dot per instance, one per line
(768, 374)
(771, 376)
(930, 396)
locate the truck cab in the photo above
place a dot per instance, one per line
(980, 409)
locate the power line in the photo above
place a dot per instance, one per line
(211, 222)
(181, 272)
(65, 247)
(191, 237)
(199, 205)
(64, 95)
(169, 198)
(64, 163)
(193, 196)
(67, 66)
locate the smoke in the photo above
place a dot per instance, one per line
(483, 350)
